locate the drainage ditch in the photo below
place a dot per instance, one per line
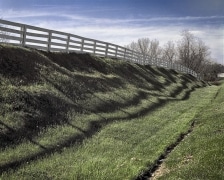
(148, 174)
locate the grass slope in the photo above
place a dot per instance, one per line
(201, 155)
(75, 116)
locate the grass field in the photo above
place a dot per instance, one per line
(75, 116)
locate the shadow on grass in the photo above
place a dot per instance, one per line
(137, 75)
(54, 109)
(53, 112)
(94, 127)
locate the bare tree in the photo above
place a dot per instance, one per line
(147, 47)
(189, 51)
(192, 52)
(184, 48)
(212, 70)
(201, 56)
(133, 46)
(155, 49)
(169, 52)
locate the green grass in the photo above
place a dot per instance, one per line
(201, 154)
(120, 150)
(71, 116)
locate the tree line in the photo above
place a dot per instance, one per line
(189, 51)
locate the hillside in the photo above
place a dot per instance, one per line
(52, 102)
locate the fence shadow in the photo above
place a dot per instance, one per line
(95, 125)
(76, 87)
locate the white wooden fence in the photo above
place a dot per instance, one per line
(51, 40)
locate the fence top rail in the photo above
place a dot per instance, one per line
(11, 23)
(36, 28)
(52, 31)
(6, 29)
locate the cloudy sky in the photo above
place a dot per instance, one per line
(123, 21)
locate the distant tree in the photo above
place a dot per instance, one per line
(192, 52)
(155, 49)
(146, 46)
(184, 48)
(212, 70)
(169, 52)
(189, 51)
(219, 68)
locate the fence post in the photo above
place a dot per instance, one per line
(124, 53)
(67, 43)
(142, 59)
(156, 62)
(135, 58)
(106, 50)
(94, 48)
(165, 64)
(116, 51)
(23, 35)
(132, 54)
(49, 41)
(148, 59)
(82, 45)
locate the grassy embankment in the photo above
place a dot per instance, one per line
(70, 116)
(201, 154)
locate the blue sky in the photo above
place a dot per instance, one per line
(124, 21)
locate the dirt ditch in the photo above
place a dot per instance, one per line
(152, 172)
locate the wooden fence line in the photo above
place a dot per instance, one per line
(51, 40)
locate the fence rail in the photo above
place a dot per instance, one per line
(51, 40)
